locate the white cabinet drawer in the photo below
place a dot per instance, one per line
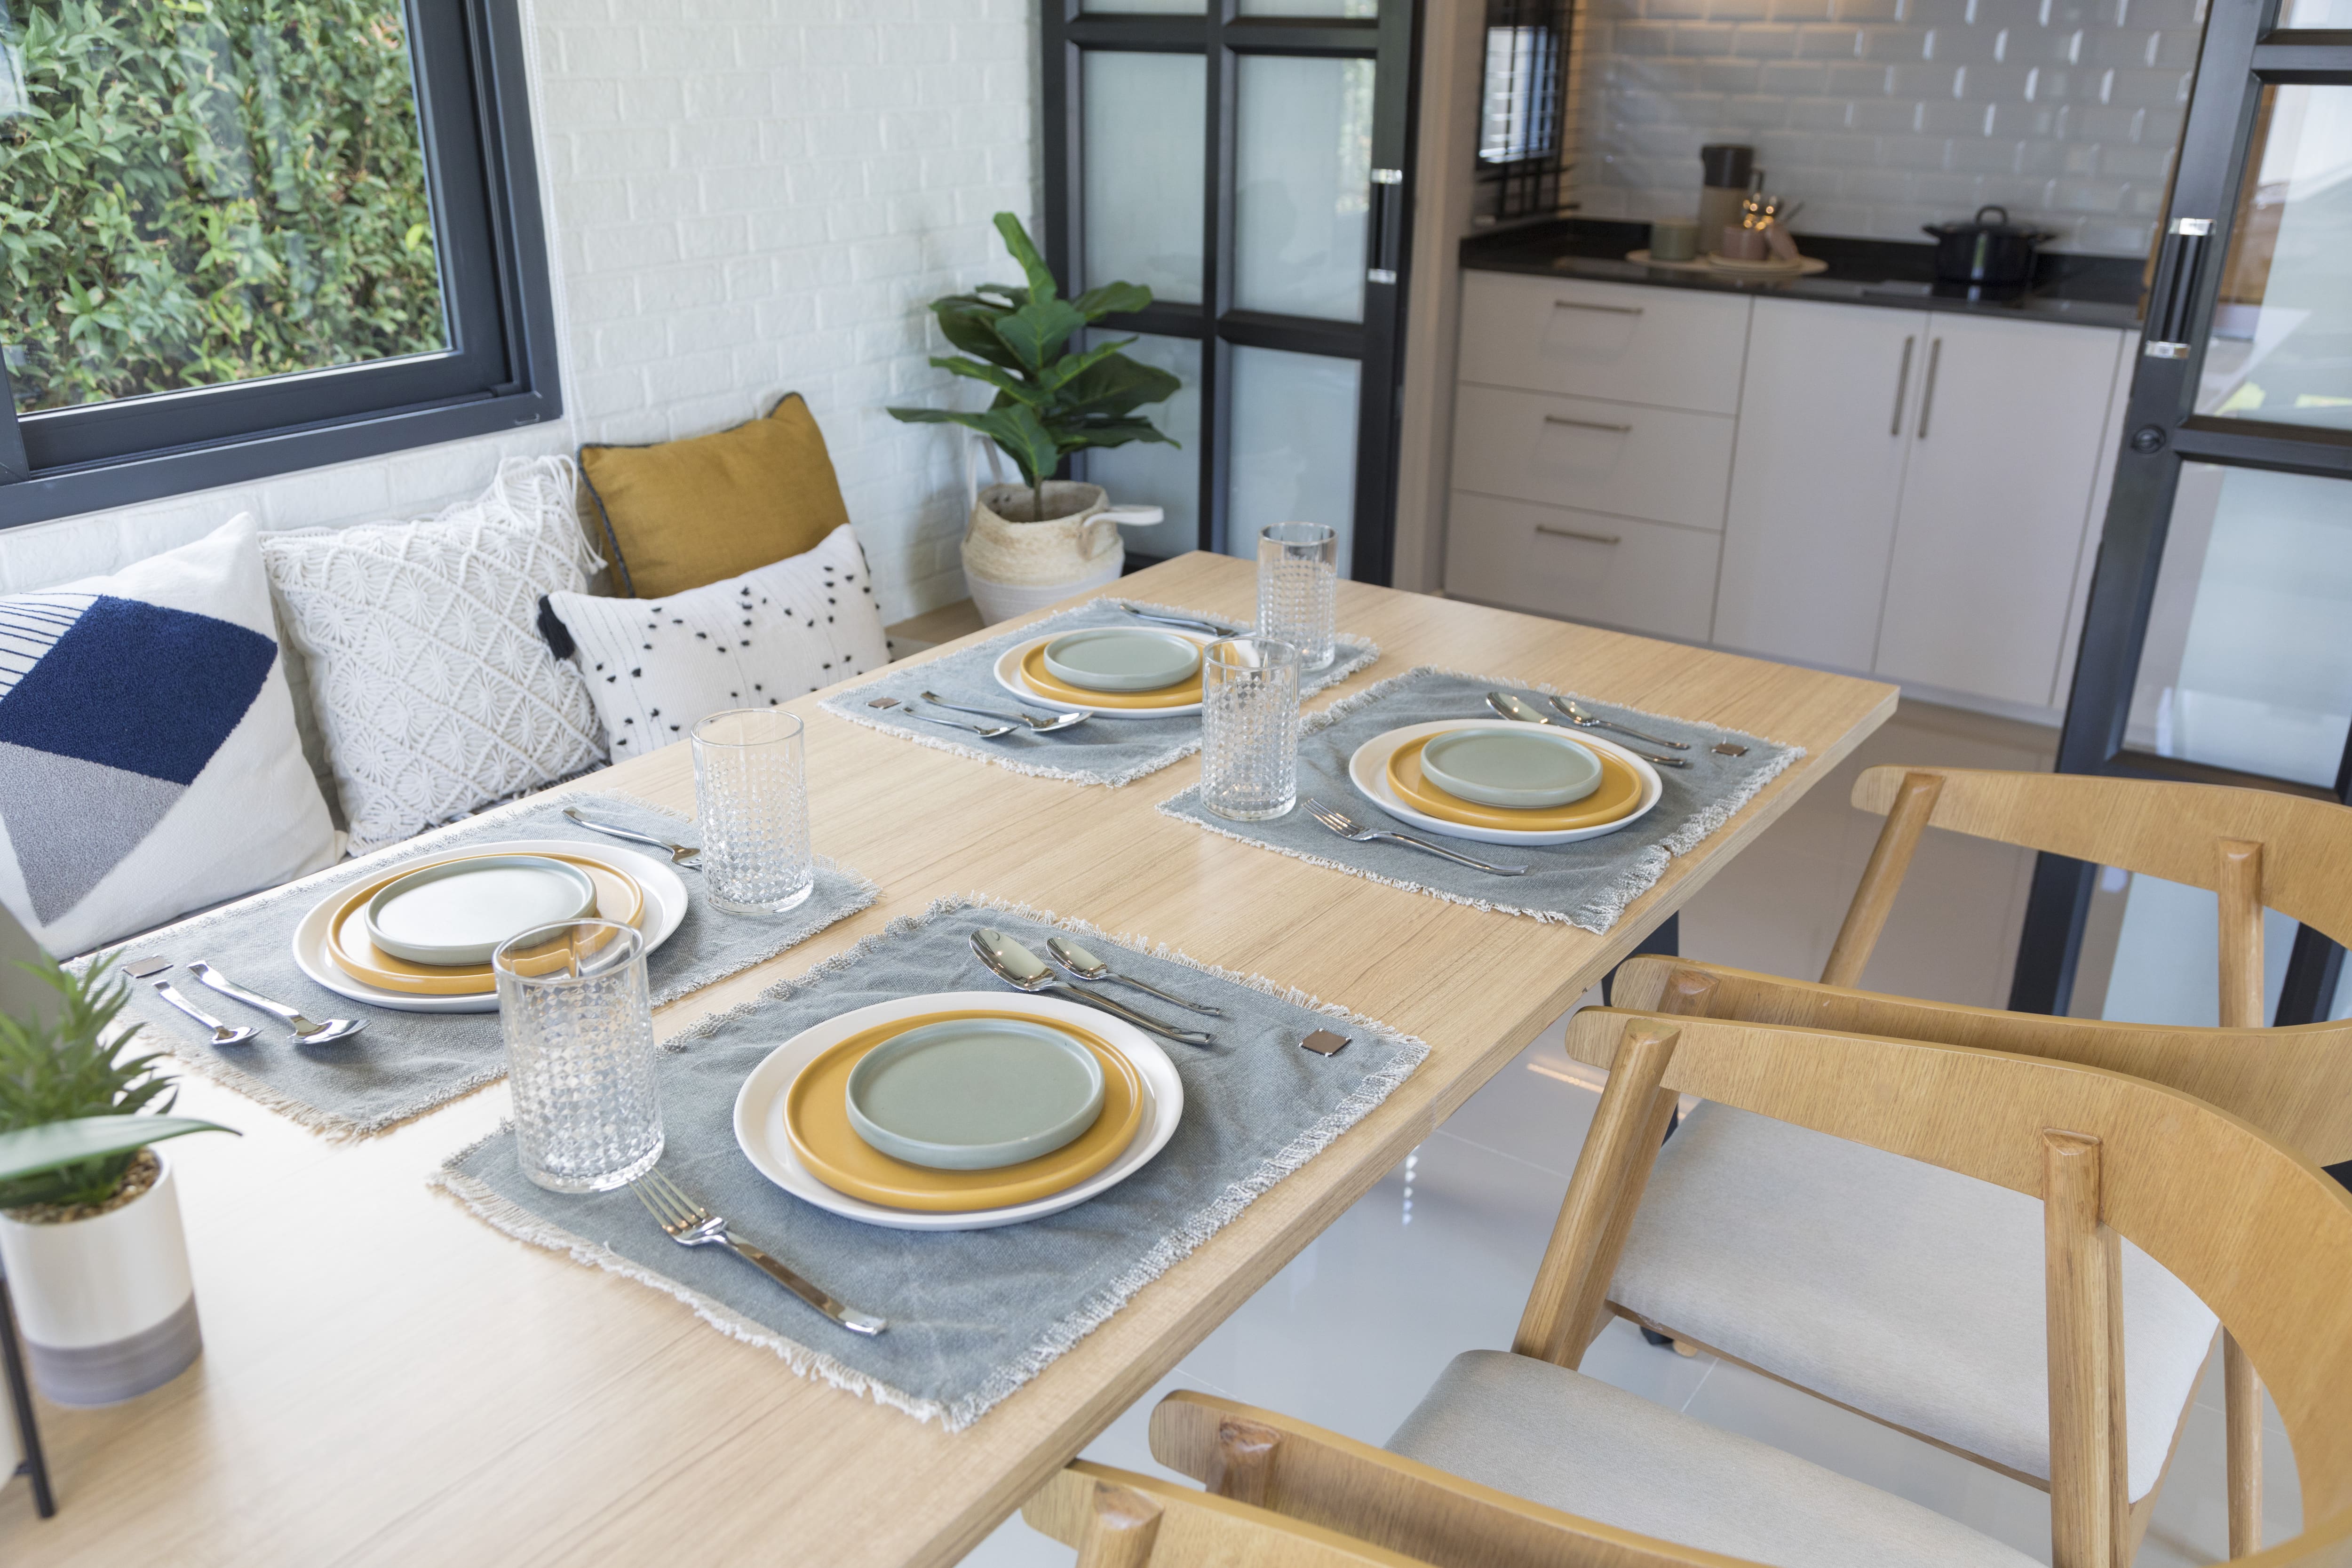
(1670, 348)
(1612, 571)
(1653, 463)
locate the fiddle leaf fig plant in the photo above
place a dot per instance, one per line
(77, 1103)
(1048, 403)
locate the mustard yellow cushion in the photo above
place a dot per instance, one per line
(678, 514)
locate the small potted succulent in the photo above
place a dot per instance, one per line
(1044, 538)
(90, 1219)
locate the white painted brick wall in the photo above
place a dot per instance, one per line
(1881, 115)
(748, 197)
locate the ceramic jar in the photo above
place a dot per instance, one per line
(1014, 567)
(106, 1305)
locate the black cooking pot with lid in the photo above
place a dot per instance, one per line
(1998, 254)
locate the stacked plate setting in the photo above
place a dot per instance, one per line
(1504, 783)
(1122, 672)
(962, 1110)
(417, 938)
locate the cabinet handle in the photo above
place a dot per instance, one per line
(1927, 392)
(1605, 309)
(1587, 423)
(1902, 386)
(1571, 533)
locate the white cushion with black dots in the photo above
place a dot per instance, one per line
(657, 667)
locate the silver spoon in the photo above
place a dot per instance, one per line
(306, 1031)
(1024, 971)
(687, 855)
(1188, 623)
(147, 968)
(985, 732)
(1042, 726)
(1512, 706)
(1583, 719)
(1086, 966)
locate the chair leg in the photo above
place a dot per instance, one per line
(2242, 1404)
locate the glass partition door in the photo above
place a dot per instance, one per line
(2217, 642)
(1246, 160)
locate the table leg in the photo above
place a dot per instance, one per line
(20, 1396)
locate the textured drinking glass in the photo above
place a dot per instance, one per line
(750, 790)
(1297, 569)
(1249, 728)
(579, 1026)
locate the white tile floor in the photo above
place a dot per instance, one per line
(1437, 1259)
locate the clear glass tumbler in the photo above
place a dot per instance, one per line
(1249, 728)
(1297, 574)
(750, 790)
(579, 1026)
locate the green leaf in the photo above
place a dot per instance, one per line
(1118, 385)
(1111, 433)
(1111, 300)
(1042, 287)
(35, 1150)
(1036, 332)
(1008, 385)
(1062, 371)
(973, 330)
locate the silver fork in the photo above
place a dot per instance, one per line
(688, 1223)
(1042, 726)
(1348, 827)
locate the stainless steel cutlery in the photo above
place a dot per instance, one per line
(1348, 827)
(687, 855)
(1510, 705)
(1077, 961)
(985, 732)
(148, 968)
(306, 1031)
(1214, 628)
(1045, 725)
(1583, 719)
(1024, 971)
(685, 1221)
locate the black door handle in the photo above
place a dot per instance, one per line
(2174, 297)
(1387, 227)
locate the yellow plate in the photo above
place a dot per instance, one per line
(816, 1117)
(1034, 671)
(618, 898)
(1620, 794)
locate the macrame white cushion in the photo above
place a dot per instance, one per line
(427, 672)
(656, 667)
(148, 761)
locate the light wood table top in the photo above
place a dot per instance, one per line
(387, 1380)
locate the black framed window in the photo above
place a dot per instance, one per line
(248, 237)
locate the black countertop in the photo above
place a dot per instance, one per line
(2081, 291)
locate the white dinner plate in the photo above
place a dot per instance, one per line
(760, 1107)
(666, 910)
(1368, 770)
(1008, 676)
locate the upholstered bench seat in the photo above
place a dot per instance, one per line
(1574, 1443)
(1902, 1290)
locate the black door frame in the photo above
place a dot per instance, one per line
(1223, 36)
(2243, 51)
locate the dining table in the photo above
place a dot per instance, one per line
(387, 1380)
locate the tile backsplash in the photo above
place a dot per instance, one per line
(1882, 115)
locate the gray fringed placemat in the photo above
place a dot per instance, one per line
(1586, 884)
(404, 1064)
(972, 1314)
(1104, 749)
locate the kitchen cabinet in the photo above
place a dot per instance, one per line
(1669, 348)
(1647, 577)
(1816, 479)
(2005, 450)
(1626, 459)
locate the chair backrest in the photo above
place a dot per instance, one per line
(2255, 1229)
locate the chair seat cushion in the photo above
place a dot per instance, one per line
(1909, 1292)
(1574, 1443)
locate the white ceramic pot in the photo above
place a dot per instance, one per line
(106, 1305)
(1014, 567)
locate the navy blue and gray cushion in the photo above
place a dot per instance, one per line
(149, 764)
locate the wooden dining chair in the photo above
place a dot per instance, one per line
(1804, 1258)
(1118, 1518)
(1516, 1461)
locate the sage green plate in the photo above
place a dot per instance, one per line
(1518, 767)
(974, 1094)
(1121, 659)
(457, 912)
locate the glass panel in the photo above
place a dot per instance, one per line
(1294, 446)
(2246, 664)
(2282, 345)
(191, 195)
(1302, 184)
(2151, 953)
(1143, 150)
(1137, 7)
(1357, 8)
(2316, 14)
(1147, 473)
(1518, 111)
